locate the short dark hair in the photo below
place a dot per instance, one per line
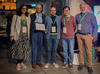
(53, 7)
(19, 11)
(66, 7)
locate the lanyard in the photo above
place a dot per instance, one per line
(81, 18)
(24, 21)
(52, 21)
(67, 20)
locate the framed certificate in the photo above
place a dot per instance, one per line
(39, 27)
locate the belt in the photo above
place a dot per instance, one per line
(83, 33)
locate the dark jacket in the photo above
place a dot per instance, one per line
(33, 17)
(48, 25)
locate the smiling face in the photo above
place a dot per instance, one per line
(66, 11)
(83, 8)
(53, 11)
(38, 8)
(24, 9)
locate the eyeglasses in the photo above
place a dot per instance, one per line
(38, 8)
(52, 10)
(66, 10)
(24, 8)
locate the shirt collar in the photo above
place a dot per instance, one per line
(39, 14)
(69, 15)
(83, 13)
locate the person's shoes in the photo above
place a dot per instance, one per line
(18, 67)
(71, 66)
(65, 65)
(55, 65)
(40, 64)
(23, 66)
(34, 66)
(47, 65)
(80, 67)
(90, 70)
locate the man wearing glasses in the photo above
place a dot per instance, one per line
(53, 25)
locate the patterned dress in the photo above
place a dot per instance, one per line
(21, 49)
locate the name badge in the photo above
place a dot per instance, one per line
(53, 29)
(64, 30)
(24, 29)
(79, 26)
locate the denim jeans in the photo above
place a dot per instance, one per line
(52, 45)
(36, 46)
(68, 48)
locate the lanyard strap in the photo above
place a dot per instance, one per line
(67, 20)
(81, 18)
(24, 21)
(53, 22)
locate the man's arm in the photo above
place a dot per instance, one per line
(94, 25)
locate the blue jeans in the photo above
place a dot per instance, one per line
(36, 46)
(68, 48)
(52, 45)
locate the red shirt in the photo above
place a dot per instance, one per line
(70, 26)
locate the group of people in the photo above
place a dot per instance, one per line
(28, 31)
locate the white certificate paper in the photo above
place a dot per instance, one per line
(40, 27)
